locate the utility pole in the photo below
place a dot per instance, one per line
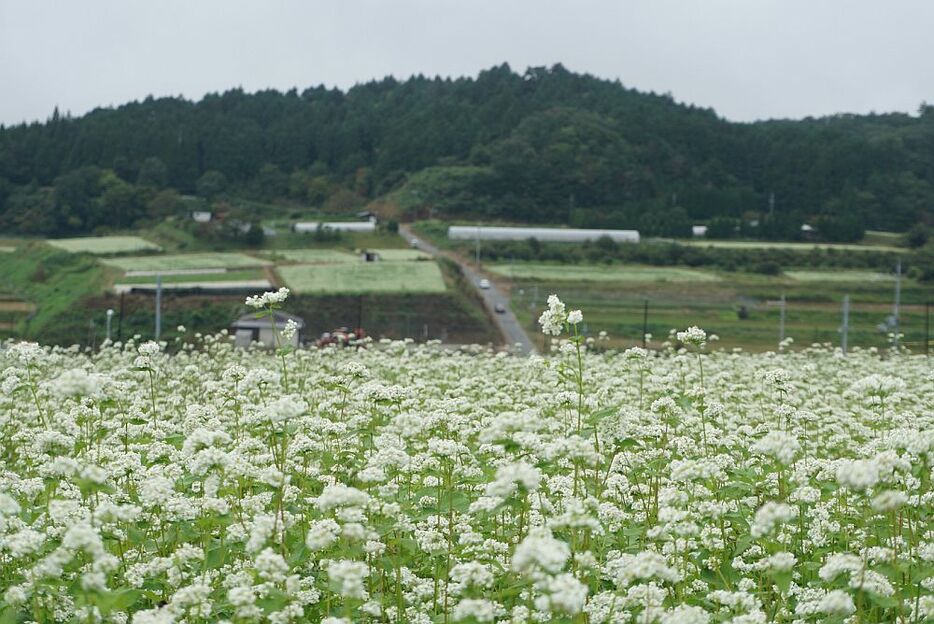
(845, 328)
(110, 316)
(781, 322)
(158, 306)
(120, 318)
(359, 311)
(927, 328)
(477, 239)
(898, 299)
(771, 204)
(645, 321)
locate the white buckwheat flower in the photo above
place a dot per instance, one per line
(837, 602)
(692, 336)
(349, 576)
(552, 320)
(268, 298)
(539, 550)
(291, 328)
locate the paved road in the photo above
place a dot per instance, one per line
(509, 326)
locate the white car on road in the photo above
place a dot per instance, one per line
(484, 284)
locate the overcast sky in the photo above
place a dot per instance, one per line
(747, 59)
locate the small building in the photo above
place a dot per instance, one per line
(369, 256)
(248, 329)
(201, 216)
(698, 231)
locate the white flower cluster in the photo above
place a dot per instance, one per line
(291, 328)
(553, 319)
(268, 299)
(540, 552)
(405, 483)
(694, 336)
(779, 445)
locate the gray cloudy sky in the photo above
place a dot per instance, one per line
(748, 59)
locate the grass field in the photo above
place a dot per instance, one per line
(364, 278)
(729, 244)
(54, 282)
(186, 261)
(103, 245)
(311, 256)
(839, 276)
(600, 273)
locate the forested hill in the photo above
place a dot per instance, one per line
(546, 145)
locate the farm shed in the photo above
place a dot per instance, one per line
(551, 235)
(310, 227)
(248, 329)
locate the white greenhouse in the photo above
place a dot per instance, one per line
(550, 235)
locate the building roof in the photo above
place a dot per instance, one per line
(249, 321)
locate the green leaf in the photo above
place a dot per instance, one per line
(118, 599)
(273, 602)
(886, 602)
(9, 615)
(216, 557)
(88, 487)
(783, 580)
(742, 544)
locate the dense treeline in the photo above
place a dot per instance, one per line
(546, 145)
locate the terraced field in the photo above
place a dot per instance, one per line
(399, 255)
(104, 245)
(840, 276)
(186, 262)
(179, 278)
(364, 278)
(312, 256)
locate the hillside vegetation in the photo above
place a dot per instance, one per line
(546, 145)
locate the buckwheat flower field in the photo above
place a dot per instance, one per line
(410, 483)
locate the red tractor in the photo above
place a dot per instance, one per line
(342, 336)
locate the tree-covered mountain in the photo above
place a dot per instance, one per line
(546, 145)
